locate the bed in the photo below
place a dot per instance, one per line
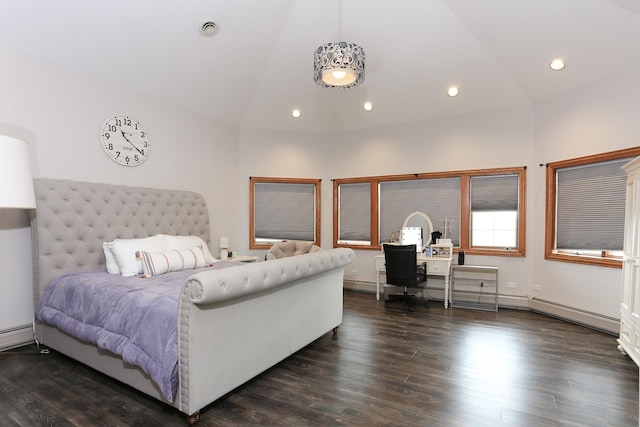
(231, 323)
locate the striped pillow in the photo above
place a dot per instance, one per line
(156, 263)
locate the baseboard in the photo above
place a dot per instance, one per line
(359, 285)
(589, 319)
(513, 301)
(16, 336)
(575, 315)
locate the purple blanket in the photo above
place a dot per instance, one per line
(133, 317)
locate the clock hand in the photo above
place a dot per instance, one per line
(127, 139)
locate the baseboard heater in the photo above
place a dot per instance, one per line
(575, 315)
(16, 336)
(360, 285)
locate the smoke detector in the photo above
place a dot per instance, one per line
(209, 29)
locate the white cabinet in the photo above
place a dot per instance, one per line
(629, 339)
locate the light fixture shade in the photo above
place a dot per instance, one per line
(16, 181)
(223, 243)
(338, 65)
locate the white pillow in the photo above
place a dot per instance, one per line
(155, 263)
(124, 252)
(186, 242)
(112, 265)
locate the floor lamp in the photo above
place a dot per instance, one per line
(16, 181)
(16, 192)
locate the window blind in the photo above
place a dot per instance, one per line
(354, 203)
(590, 203)
(438, 198)
(284, 211)
(494, 193)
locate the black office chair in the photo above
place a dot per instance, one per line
(402, 270)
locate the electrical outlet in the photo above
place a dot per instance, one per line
(512, 285)
(537, 288)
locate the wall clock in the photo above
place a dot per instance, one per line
(125, 140)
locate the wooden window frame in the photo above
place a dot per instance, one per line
(465, 207)
(266, 180)
(550, 253)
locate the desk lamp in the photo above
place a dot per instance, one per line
(223, 245)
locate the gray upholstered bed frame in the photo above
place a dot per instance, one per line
(279, 306)
(72, 220)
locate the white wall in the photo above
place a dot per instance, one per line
(60, 115)
(281, 155)
(597, 119)
(498, 139)
(490, 140)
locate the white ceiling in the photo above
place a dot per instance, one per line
(260, 65)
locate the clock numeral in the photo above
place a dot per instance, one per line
(112, 128)
(135, 158)
(143, 134)
(126, 159)
(127, 121)
(145, 144)
(117, 154)
(110, 146)
(107, 135)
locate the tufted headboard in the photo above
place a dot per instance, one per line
(72, 220)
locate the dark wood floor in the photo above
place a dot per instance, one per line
(386, 367)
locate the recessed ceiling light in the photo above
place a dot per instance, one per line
(295, 113)
(557, 65)
(368, 106)
(209, 29)
(452, 91)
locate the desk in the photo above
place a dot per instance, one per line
(435, 267)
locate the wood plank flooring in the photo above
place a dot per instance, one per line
(386, 367)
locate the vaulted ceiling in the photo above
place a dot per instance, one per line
(259, 67)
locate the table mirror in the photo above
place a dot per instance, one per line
(420, 219)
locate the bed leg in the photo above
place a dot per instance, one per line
(193, 418)
(335, 330)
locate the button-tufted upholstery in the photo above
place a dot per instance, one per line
(290, 248)
(215, 286)
(72, 220)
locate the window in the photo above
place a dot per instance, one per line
(494, 211)
(481, 211)
(439, 198)
(354, 214)
(585, 208)
(283, 209)
(494, 229)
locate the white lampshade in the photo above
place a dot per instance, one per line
(16, 181)
(223, 242)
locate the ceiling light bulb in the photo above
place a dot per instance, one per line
(295, 113)
(339, 74)
(453, 91)
(557, 64)
(368, 106)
